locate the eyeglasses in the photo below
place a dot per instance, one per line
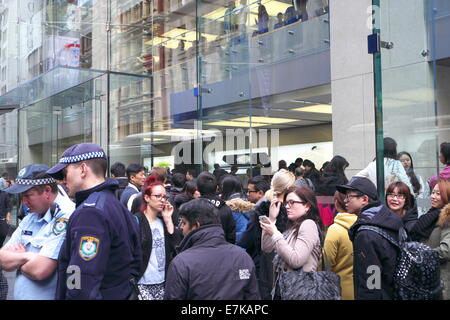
(398, 196)
(160, 197)
(250, 191)
(349, 196)
(291, 202)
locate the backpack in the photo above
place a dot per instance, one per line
(417, 272)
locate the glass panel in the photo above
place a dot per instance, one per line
(54, 124)
(414, 96)
(253, 58)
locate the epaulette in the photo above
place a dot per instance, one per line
(95, 200)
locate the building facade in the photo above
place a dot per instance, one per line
(190, 83)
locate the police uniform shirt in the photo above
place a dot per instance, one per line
(43, 235)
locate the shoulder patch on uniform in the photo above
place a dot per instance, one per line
(88, 248)
(244, 274)
(60, 226)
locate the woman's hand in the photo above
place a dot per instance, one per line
(268, 226)
(274, 209)
(167, 213)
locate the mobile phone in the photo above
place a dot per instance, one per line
(261, 218)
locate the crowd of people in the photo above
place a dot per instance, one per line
(179, 236)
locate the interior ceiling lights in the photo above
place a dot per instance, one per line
(318, 108)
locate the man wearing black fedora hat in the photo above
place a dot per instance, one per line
(34, 247)
(103, 241)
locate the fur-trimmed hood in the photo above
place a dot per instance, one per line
(240, 205)
(444, 217)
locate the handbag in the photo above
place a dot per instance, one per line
(314, 285)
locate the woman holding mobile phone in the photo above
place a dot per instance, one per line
(300, 245)
(159, 236)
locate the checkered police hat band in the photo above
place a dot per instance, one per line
(38, 182)
(82, 157)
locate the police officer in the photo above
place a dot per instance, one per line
(34, 247)
(102, 251)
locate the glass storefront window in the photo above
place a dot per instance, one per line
(413, 69)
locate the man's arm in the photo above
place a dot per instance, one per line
(176, 287)
(90, 253)
(12, 259)
(38, 267)
(251, 291)
(13, 255)
(228, 223)
(365, 260)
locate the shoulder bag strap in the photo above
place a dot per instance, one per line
(381, 232)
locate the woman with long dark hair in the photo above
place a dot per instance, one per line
(159, 236)
(311, 172)
(263, 19)
(300, 245)
(281, 182)
(333, 176)
(232, 188)
(188, 193)
(234, 197)
(420, 188)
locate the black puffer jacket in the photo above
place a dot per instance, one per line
(371, 249)
(209, 268)
(226, 218)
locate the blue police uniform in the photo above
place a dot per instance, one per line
(103, 241)
(44, 235)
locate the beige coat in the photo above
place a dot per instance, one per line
(295, 252)
(439, 240)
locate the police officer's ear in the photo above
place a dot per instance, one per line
(48, 191)
(84, 169)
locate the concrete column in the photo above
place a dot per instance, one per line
(352, 87)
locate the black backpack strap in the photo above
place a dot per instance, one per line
(381, 232)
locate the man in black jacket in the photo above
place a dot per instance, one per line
(207, 267)
(207, 186)
(118, 173)
(374, 256)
